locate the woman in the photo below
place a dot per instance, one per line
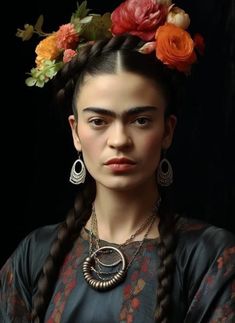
(121, 255)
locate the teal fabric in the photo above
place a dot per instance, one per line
(203, 286)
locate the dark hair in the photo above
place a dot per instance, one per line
(105, 56)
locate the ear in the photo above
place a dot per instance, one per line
(73, 126)
(170, 124)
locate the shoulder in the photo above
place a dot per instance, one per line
(28, 258)
(42, 236)
(203, 249)
(205, 270)
(196, 235)
(38, 240)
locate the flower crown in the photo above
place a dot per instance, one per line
(159, 23)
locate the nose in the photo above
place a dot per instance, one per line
(119, 137)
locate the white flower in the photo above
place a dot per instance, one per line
(178, 17)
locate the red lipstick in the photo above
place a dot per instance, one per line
(121, 160)
(120, 165)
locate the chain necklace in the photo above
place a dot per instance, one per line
(96, 267)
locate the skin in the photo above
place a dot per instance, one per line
(122, 115)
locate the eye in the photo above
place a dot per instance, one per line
(97, 122)
(142, 121)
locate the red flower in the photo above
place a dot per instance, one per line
(67, 37)
(138, 17)
(127, 290)
(209, 280)
(199, 43)
(145, 265)
(67, 259)
(220, 262)
(129, 318)
(135, 303)
(68, 55)
(67, 274)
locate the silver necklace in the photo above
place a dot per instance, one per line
(96, 266)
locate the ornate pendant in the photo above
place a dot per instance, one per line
(106, 284)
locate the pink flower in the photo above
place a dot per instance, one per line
(68, 55)
(67, 37)
(138, 17)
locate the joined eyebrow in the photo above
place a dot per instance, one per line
(129, 112)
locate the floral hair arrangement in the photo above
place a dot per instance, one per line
(159, 23)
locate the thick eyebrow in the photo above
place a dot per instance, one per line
(129, 112)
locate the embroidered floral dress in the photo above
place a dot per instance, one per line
(203, 290)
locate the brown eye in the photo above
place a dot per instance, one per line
(142, 121)
(97, 122)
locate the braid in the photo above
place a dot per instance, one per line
(66, 235)
(93, 59)
(166, 268)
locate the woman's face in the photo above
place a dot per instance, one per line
(121, 129)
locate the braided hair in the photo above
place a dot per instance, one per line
(107, 56)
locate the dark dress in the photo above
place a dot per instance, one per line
(203, 289)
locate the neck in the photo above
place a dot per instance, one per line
(120, 213)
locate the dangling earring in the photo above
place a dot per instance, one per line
(78, 177)
(165, 173)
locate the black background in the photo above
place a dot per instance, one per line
(37, 148)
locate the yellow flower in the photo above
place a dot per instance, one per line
(25, 34)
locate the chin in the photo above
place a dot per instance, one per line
(123, 183)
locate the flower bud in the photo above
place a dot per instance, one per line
(148, 47)
(178, 17)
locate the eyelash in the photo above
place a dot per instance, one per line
(146, 123)
(94, 122)
(99, 122)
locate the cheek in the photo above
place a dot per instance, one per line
(152, 143)
(90, 142)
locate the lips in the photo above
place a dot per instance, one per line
(120, 161)
(121, 165)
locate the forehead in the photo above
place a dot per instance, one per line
(119, 90)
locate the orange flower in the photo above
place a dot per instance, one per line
(47, 49)
(175, 47)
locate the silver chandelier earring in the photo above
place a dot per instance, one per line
(80, 176)
(165, 173)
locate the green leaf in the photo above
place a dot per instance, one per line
(41, 75)
(39, 23)
(98, 27)
(30, 81)
(40, 83)
(80, 13)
